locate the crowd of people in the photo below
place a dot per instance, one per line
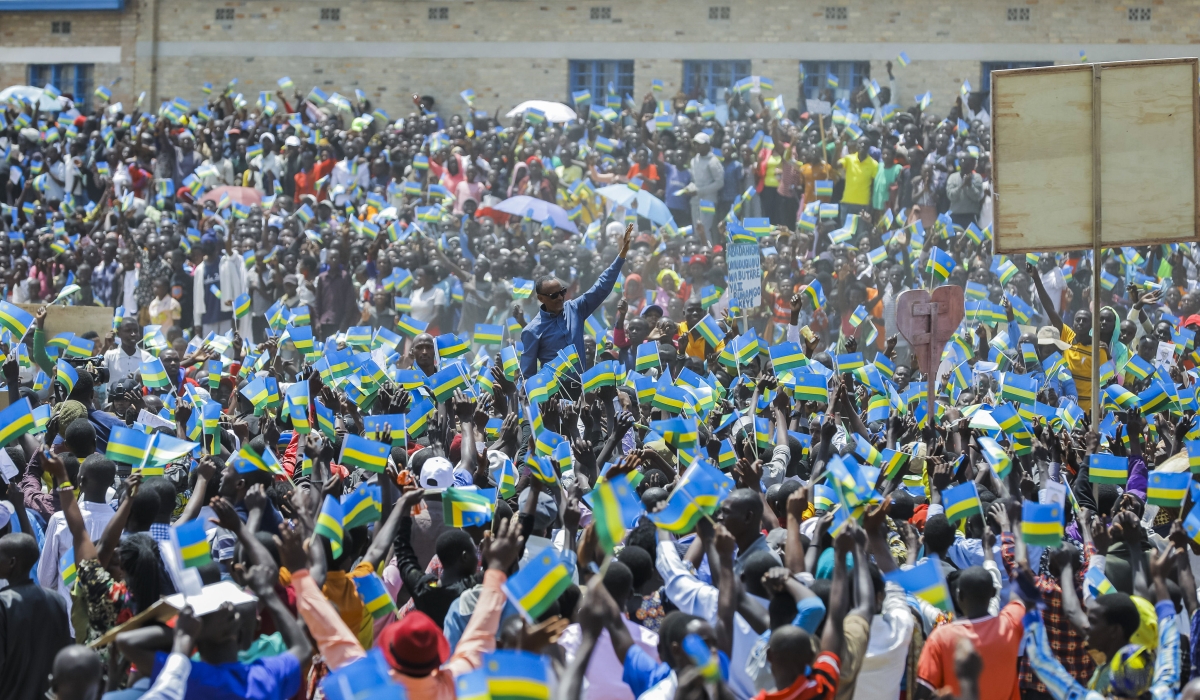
(455, 405)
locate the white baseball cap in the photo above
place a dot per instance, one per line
(437, 473)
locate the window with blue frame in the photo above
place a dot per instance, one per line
(711, 79)
(595, 76)
(985, 78)
(73, 79)
(816, 74)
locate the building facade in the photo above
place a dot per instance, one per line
(511, 50)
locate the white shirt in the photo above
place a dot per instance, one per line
(887, 650)
(695, 597)
(120, 365)
(171, 683)
(128, 299)
(603, 679)
(425, 301)
(1055, 283)
(59, 540)
(340, 175)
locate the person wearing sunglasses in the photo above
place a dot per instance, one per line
(560, 322)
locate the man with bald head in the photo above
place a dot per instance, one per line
(560, 322)
(76, 674)
(33, 622)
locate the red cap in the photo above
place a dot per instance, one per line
(456, 448)
(1193, 320)
(414, 645)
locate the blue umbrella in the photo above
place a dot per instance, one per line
(537, 209)
(648, 206)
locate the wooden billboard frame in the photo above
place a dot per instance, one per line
(1097, 110)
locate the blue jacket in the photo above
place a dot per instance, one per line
(549, 333)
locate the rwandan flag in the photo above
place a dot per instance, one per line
(1019, 388)
(410, 326)
(464, 507)
(1041, 523)
(15, 421)
(193, 546)
(1108, 469)
(647, 356)
(810, 387)
(710, 331)
(538, 584)
(374, 596)
(1167, 489)
(787, 356)
(361, 506)
(962, 501)
(925, 581)
(66, 375)
(241, 305)
(996, 456)
(126, 445)
(329, 524)
(488, 334)
(516, 675)
(154, 375)
(15, 319)
(615, 507)
(364, 454)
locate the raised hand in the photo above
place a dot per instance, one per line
(500, 550)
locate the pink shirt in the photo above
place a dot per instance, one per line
(605, 672)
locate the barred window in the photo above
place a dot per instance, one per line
(224, 14)
(839, 14)
(718, 13)
(600, 13)
(439, 14)
(60, 27)
(1139, 14)
(331, 14)
(1018, 14)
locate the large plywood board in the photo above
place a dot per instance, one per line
(1042, 146)
(1043, 151)
(1147, 147)
(74, 319)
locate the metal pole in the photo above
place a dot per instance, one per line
(931, 380)
(1096, 236)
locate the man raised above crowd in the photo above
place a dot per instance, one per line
(560, 322)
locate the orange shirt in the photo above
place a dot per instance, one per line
(306, 183)
(821, 685)
(824, 171)
(996, 639)
(650, 172)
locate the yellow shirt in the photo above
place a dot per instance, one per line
(771, 173)
(1079, 359)
(860, 174)
(339, 588)
(697, 347)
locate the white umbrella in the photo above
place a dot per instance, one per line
(556, 112)
(45, 102)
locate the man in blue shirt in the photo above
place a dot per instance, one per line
(560, 322)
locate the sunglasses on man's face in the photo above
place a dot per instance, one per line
(553, 295)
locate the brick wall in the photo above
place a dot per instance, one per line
(509, 50)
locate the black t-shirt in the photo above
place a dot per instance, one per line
(33, 628)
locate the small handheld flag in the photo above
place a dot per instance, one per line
(193, 545)
(329, 524)
(538, 584)
(924, 581)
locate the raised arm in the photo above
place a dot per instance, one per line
(833, 639)
(84, 549)
(1051, 315)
